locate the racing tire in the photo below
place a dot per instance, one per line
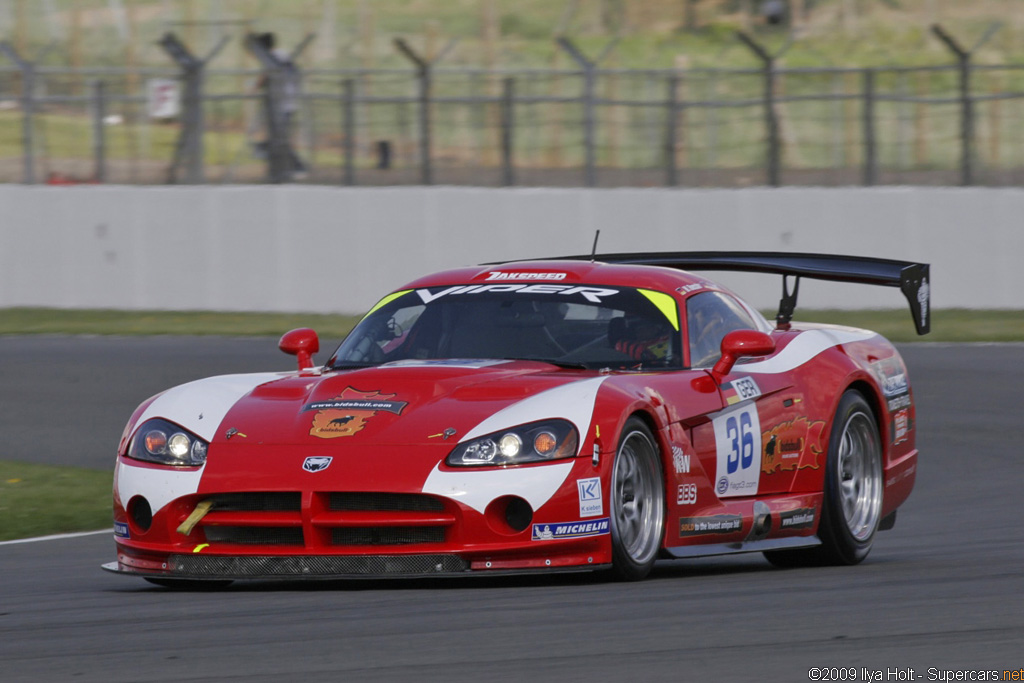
(637, 501)
(852, 507)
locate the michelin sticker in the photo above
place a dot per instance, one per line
(551, 532)
(737, 442)
(591, 504)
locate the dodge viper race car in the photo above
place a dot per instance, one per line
(580, 413)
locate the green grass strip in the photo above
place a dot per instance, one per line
(138, 323)
(948, 325)
(39, 500)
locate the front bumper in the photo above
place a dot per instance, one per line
(326, 534)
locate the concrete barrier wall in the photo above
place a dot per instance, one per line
(322, 249)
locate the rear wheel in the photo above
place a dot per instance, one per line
(637, 503)
(852, 505)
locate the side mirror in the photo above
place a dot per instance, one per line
(303, 343)
(738, 344)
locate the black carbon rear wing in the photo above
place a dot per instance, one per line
(911, 278)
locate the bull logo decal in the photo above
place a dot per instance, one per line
(347, 414)
(792, 445)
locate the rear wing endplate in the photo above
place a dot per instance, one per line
(911, 278)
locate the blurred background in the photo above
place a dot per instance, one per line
(642, 93)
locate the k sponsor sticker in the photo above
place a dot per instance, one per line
(591, 503)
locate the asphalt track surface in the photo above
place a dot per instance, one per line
(942, 592)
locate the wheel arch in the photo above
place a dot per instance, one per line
(658, 431)
(869, 392)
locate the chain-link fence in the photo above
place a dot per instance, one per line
(587, 126)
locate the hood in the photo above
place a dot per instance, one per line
(404, 403)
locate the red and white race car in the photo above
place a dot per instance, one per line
(563, 414)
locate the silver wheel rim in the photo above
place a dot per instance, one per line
(860, 476)
(637, 506)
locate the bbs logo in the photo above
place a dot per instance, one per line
(686, 494)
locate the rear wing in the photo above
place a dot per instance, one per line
(911, 278)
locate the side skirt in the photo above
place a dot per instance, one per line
(743, 547)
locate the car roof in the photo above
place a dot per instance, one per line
(589, 272)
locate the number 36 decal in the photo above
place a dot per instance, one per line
(737, 442)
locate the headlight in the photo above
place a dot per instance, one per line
(534, 442)
(168, 444)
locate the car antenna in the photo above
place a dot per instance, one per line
(593, 252)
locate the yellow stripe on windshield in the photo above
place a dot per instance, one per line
(386, 300)
(665, 303)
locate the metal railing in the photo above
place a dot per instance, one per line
(586, 126)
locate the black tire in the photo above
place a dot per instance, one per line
(853, 489)
(637, 503)
(190, 584)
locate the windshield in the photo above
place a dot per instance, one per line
(585, 326)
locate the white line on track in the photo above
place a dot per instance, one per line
(57, 537)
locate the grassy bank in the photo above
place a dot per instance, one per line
(949, 325)
(140, 323)
(38, 500)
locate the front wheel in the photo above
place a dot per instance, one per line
(637, 503)
(852, 505)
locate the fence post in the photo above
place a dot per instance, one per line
(28, 116)
(507, 132)
(671, 132)
(99, 142)
(190, 142)
(963, 57)
(870, 161)
(589, 152)
(423, 75)
(28, 78)
(771, 121)
(348, 128)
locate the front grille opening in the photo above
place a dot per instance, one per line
(275, 501)
(213, 566)
(384, 502)
(254, 535)
(387, 535)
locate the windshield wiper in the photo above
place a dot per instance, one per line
(559, 363)
(352, 365)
